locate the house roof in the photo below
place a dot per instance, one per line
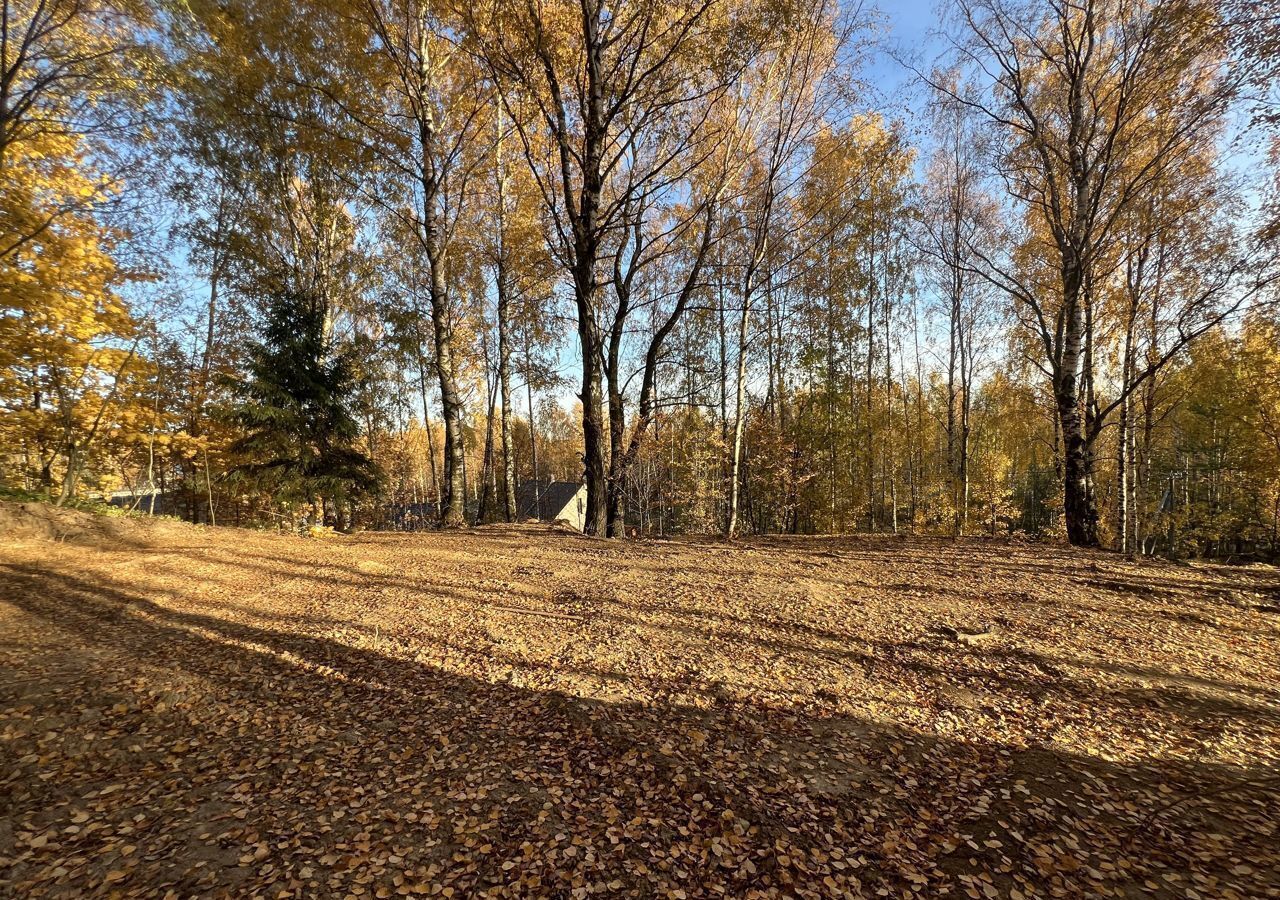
(551, 497)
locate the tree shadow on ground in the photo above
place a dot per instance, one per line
(349, 767)
(935, 659)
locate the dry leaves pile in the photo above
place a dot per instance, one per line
(523, 712)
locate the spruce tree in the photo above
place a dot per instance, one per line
(300, 435)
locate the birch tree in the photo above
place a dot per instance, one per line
(1074, 89)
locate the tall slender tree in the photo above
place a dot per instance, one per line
(1074, 90)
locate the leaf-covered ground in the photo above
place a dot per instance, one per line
(519, 711)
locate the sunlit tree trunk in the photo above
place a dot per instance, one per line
(503, 287)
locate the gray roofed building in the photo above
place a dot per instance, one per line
(146, 500)
(551, 501)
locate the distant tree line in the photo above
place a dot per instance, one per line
(326, 260)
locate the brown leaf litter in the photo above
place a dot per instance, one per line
(519, 711)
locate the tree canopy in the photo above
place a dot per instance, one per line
(386, 261)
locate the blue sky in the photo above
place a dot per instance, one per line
(910, 24)
(907, 34)
(907, 37)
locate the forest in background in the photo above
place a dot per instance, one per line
(330, 261)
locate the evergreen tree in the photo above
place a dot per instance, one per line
(300, 433)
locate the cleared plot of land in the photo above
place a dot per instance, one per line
(520, 711)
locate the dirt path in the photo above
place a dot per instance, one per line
(522, 712)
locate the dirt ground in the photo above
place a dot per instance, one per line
(522, 711)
